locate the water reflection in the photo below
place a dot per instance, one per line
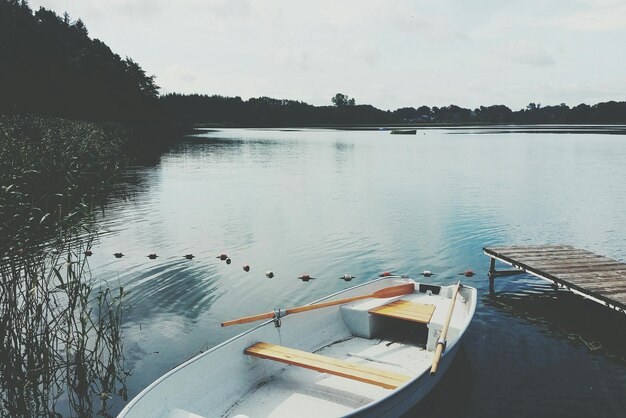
(173, 287)
(60, 340)
(565, 315)
(451, 395)
(543, 129)
(344, 151)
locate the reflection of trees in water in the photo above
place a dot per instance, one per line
(60, 340)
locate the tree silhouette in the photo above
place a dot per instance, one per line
(266, 111)
(50, 65)
(341, 100)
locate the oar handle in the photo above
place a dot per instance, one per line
(438, 352)
(441, 343)
(246, 319)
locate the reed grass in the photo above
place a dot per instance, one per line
(60, 334)
(52, 171)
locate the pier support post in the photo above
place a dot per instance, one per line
(492, 274)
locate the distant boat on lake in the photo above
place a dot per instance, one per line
(403, 131)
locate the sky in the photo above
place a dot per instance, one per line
(388, 53)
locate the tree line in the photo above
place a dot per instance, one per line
(266, 111)
(50, 65)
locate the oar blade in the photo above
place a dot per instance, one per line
(389, 292)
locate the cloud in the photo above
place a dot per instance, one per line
(292, 56)
(432, 28)
(529, 54)
(227, 8)
(367, 54)
(181, 73)
(597, 16)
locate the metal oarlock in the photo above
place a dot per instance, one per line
(444, 343)
(278, 313)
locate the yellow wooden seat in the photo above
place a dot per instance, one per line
(402, 309)
(328, 365)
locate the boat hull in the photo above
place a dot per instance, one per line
(219, 382)
(407, 397)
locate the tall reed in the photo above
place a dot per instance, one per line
(60, 332)
(61, 335)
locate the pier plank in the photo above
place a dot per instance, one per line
(582, 269)
(552, 256)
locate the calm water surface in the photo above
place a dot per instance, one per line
(327, 202)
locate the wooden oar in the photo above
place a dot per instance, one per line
(441, 343)
(388, 292)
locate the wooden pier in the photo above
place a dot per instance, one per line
(591, 275)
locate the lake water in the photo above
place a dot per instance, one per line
(329, 202)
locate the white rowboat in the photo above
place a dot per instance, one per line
(371, 357)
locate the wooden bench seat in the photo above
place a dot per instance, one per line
(402, 309)
(328, 365)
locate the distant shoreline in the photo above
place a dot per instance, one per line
(389, 127)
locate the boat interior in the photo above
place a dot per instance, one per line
(389, 342)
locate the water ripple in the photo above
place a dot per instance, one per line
(326, 203)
